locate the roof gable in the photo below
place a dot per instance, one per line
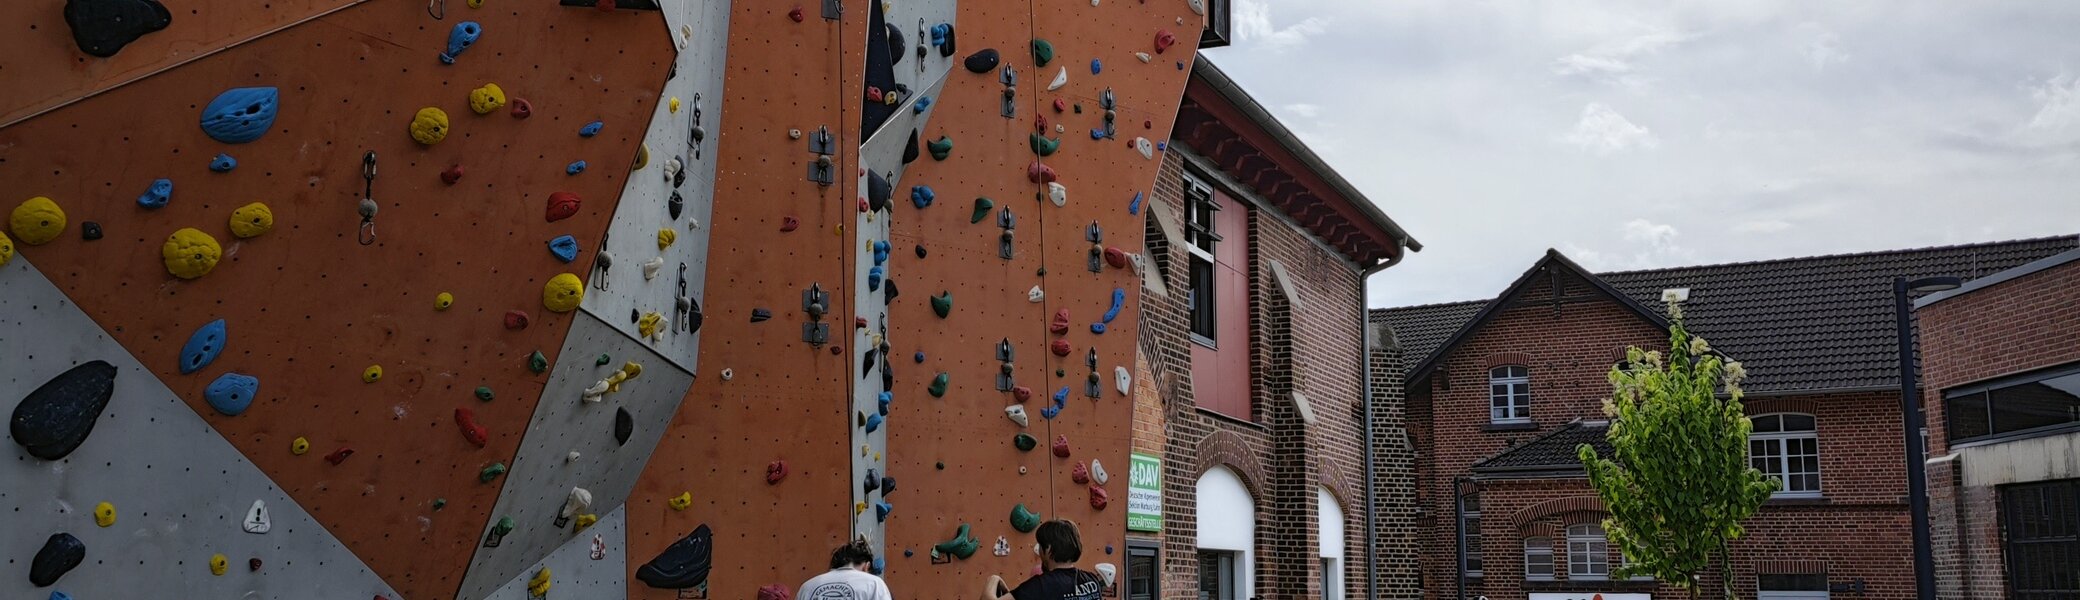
(1552, 264)
(1555, 451)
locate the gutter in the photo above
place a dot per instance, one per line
(1371, 449)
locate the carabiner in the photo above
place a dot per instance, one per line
(367, 234)
(442, 13)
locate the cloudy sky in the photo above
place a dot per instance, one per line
(1639, 134)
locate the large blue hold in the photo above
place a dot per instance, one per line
(240, 115)
(160, 193)
(203, 346)
(922, 196)
(1119, 300)
(564, 247)
(231, 393)
(873, 423)
(874, 275)
(460, 38)
(887, 398)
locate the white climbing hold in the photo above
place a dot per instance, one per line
(693, 223)
(1107, 572)
(1057, 193)
(728, 374)
(1121, 380)
(1144, 56)
(1061, 78)
(664, 324)
(1035, 295)
(256, 518)
(578, 500)
(1198, 8)
(686, 34)
(572, 457)
(652, 267)
(1098, 473)
(1145, 147)
(597, 391)
(1003, 547)
(599, 547)
(1017, 414)
(672, 167)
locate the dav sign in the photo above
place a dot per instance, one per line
(1588, 596)
(1145, 493)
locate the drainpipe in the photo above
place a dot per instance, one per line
(1371, 450)
(1459, 532)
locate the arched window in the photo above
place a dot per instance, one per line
(1226, 536)
(1538, 559)
(1787, 446)
(1509, 394)
(1588, 553)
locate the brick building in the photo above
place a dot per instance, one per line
(1502, 391)
(2001, 359)
(1252, 391)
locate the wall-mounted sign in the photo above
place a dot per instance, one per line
(1589, 596)
(1145, 493)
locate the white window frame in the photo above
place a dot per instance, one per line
(1200, 241)
(1516, 397)
(1470, 536)
(1778, 463)
(1586, 551)
(1536, 548)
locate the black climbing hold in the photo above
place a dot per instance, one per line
(888, 486)
(873, 481)
(624, 426)
(920, 250)
(879, 190)
(59, 554)
(939, 465)
(888, 290)
(882, 53)
(53, 420)
(910, 151)
(942, 36)
(982, 61)
(895, 43)
(682, 565)
(759, 315)
(90, 230)
(103, 27)
(676, 205)
(1025, 443)
(867, 363)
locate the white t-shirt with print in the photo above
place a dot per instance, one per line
(844, 583)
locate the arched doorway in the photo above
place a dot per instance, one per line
(1227, 534)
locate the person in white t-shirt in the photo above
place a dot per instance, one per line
(848, 578)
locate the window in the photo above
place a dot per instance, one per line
(1200, 241)
(1588, 554)
(1470, 532)
(1509, 394)
(2044, 400)
(1142, 583)
(1217, 576)
(2042, 527)
(1332, 579)
(1538, 559)
(1787, 447)
(1791, 587)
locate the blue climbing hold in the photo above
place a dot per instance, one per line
(1098, 328)
(879, 564)
(919, 356)
(1134, 208)
(60, 596)
(460, 38)
(922, 196)
(202, 347)
(575, 168)
(590, 129)
(240, 115)
(1162, 146)
(1061, 401)
(881, 510)
(1119, 300)
(923, 102)
(942, 33)
(1097, 66)
(874, 423)
(885, 399)
(874, 278)
(223, 163)
(231, 393)
(909, 553)
(158, 195)
(564, 247)
(1097, 134)
(881, 250)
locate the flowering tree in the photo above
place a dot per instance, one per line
(1679, 483)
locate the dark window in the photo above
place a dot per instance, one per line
(1202, 300)
(1810, 586)
(2043, 539)
(1142, 583)
(1217, 576)
(2041, 400)
(1470, 536)
(1200, 242)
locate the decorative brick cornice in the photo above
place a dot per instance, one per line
(1791, 567)
(1544, 530)
(1224, 448)
(1763, 406)
(1509, 358)
(1556, 506)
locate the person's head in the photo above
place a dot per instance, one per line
(855, 554)
(1059, 542)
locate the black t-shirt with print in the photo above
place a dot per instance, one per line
(1066, 583)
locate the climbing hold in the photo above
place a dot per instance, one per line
(223, 163)
(650, 326)
(942, 304)
(1198, 6)
(537, 363)
(54, 419)
(538, 586)
(962, 545)
(102, 27)
(760, 315)
(1079, 474)
(1044, 146)
(590, 129)
(682, 501)
(1024, 443)
(429, 126)
(940, 148)
(1099, 498)
(1061, 78)
(1097, 66)
(1023, 519)
(88, 230)
(1145, 147)
(1116, 257)
(484, 393)
(562, 293)
(452, 174)
(652, 267)
(981, 211)
(922, 195)
(938, 387)
(1017, 414)
(217, 564)
(203, 346)
(1057, 194)
(37, 220)
(776, 471)
(665, 237)
(339, 456)
(516, 319)
(158, 195)
(1043, 52)
(256, 520)
(472, 431)
(1144, 56)
(491, 471)
(982, 61)
(104, 514)
(485, 99)
(252, 220)
(59, 554)
(682, 565)
(789, 223)
(564, 247)
(583, 521)
(1119, 300)
(522, 108)
(1021, 393)
(459, 39)
(576, 502)
(1164, 39)
(443, 301)
(372, 374)
(1061, 446)
(231, 393)
(1098, 472)
(299, 446)
(1039, 173)
(240, 115)
(624, 425)
(1059, 347)
(677, 205)
(574, 168)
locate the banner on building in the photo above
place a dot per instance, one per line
(1145, 493)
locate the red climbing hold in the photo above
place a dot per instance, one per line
(1040, 123)
(1060, 105)
(339, 456)
(1116, 257)
(253, 564)
(863, 206)
(1040, 173)
(776, 471)
(522, 108)
(516, 319)
(774, 592)
(1060, 324)
(452, 175)
(1148, 124)
(561, 206)
(837, 350)
(471, 429)
(1164, 39)
(1021, 394)
(1079, 474)
(796, 14)
(789, 224)
(859, 322)
(873, 94)
(1061, 446)
(1099, 498)
(1060, 347)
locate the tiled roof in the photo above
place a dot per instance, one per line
(1555, 450)
(1797, 324)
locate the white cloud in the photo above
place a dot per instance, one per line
(2058, 110)
(1602, 130)
(1252, 24)
(1616, 61)
(1659, 236)
(1824, 48)
(1304, 110)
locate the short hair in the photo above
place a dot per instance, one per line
(1059, 539)
(855, 553)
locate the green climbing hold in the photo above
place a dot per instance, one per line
(1043, 52)
(962, 545)
(940, 148)
(537, 363)
(1060, 373)
(938, 388)
(491, 472)
(484, 393)
(1043, 146)
(603, 360)
(1025, 443)
(942, 304)
(982, 208)
(504, 526)
(440, 503)
(1023, 520)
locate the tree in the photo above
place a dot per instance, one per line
(1679, 484)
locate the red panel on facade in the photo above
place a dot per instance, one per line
(1222, 372)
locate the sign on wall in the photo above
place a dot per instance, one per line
(1145, 493)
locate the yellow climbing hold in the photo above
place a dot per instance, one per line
(486, 99)
(675, 104)
(37, 220)
(539, 586)
(682, 501)
(6, 248)
(665, 237)
(562, 293)
(217, 564)
(858, 507)
(647, 326)
(584, 521)
(372, 373)
(190, 253)
(299, 446)
(476, 3)
(642, 157)
(104, 514)
(443, 301)
(430, 126)
(251, 220)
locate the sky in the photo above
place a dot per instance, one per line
(1644, 134)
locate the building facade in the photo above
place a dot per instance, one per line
(1253, 394)
(2001, 357)
(1501, 393)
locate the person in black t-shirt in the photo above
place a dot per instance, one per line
(1059, 550)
